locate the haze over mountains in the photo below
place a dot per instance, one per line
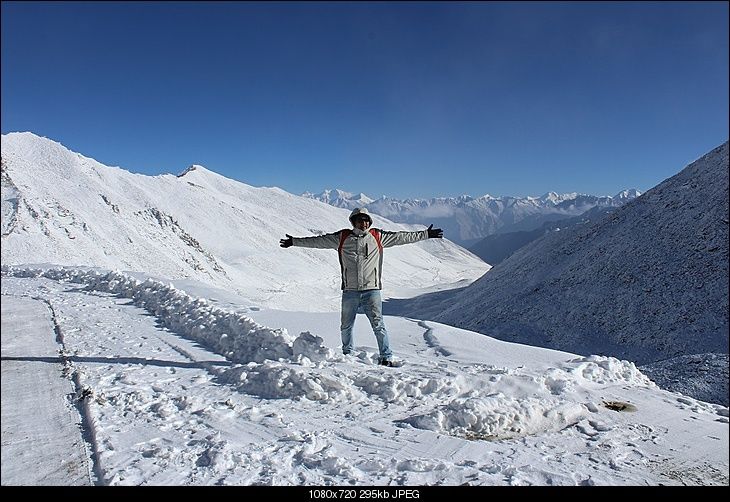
(647, 282)
(63, 208)
(466, 219)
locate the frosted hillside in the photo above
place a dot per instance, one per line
(646, 283)
(702, 376)
(63, 208)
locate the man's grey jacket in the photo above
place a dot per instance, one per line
(361, 253)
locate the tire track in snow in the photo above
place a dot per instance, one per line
(80, 401)
(432, 341)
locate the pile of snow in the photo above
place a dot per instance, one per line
(233, 335)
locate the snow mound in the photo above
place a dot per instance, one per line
(603, 370)
(498, 416)
(233, 335)
(277, 380)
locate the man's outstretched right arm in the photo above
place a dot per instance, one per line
(326, 241)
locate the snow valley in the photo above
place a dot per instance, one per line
(159, 314)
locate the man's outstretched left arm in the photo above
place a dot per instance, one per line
(389, 239)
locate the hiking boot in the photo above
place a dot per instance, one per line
(386, 362)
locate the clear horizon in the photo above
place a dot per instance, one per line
(414, 99)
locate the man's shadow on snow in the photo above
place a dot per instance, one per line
(425, 307)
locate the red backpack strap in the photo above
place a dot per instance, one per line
(344, 234)
(376, 233)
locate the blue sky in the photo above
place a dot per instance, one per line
(413, 99)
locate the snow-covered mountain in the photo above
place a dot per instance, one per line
(466, 219)
(647, 282)
(63, 208)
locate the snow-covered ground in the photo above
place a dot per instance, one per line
(171, 388)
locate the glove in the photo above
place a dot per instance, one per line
(285, 243)
(436, 233)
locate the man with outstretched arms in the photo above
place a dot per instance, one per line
(360, 251)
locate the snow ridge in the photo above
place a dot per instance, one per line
(233, 335)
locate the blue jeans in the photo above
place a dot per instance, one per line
(369, 303)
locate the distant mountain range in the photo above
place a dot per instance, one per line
(466, 220)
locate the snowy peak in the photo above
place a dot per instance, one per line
(627, 194)
(25, 139)
(549, 197)
(201, 177)
(554, 198)
(41, 151)
(196, 169)
(340, 198)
